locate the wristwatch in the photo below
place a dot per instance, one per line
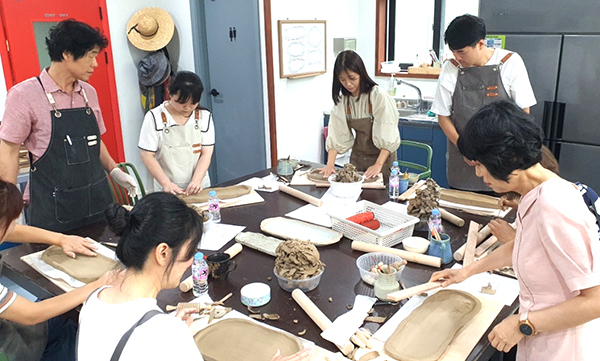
(526, 327)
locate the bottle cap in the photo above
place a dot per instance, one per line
(395, 163)
(212, 193)
(435, 212)
(394, 172)
(199, 255)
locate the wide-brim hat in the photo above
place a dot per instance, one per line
(150, 29)
(154, 69)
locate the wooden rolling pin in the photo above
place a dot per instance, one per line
(456, 220)
(188, 283)
(459, 254)
(300, 195)
(483, 233)
(482, 248)
(472, 241)
(409, 292)
(409, 256)
(318, 316)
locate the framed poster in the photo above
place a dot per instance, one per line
(302, 48)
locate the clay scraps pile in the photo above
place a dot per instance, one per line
(298, 260)
(348, 174)
(425, 200)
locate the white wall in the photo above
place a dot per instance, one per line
(126, 57)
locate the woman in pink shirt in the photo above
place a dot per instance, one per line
(555, 253)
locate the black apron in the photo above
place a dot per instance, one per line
(68, 186)
(475, 87)
(364, 152)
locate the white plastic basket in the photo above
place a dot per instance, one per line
(394, 226)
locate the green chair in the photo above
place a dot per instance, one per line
(120, 195)
(420, 149)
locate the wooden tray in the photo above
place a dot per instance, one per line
(292, 229)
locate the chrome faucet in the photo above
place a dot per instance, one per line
(419, 107)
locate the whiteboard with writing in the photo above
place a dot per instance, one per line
(302, 48)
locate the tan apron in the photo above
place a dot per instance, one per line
(180, 152)
(364, 152)
(475, 87)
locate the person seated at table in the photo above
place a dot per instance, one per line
(159, 238)
(556, 251)
(34, 330)
(178, 137)
(362, 107)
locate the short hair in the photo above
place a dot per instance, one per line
(74, 37)
(502, 137)
(549, 161)
(186, 85)
(157, 218)
(11, 205)
(464, 30)
(350, 60)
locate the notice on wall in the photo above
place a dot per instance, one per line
(495, 41)
(302, 48)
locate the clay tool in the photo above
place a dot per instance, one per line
(457, 221)
(404, 196)
(300, 195)
(434, 231)
(483, 247)
(183, 305)
(471, 244)
(188, 283)
(318, 316)
(409, 256)
(409, 292)
(109, 244)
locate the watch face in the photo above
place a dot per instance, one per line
(525, 329)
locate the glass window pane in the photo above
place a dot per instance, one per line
(414, 30)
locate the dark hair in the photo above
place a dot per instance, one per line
(186, 85)
(350, 60)
(464, 30)
(157, 218)
(549, 161)
(502, 137)
(74, 37)
(11, 205)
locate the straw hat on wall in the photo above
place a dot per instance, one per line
(150, 29)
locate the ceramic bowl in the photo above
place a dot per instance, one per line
(255, 294)
(415, 244)
(366, 262)
(345, 190)
(307, 284)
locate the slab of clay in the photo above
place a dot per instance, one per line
(426, 333)
(315, 176)
(242, 340)
(83, 268)
(259, 242)
(293, 229)
(469, 198)
(222, 192)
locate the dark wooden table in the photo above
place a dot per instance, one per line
(340, 281)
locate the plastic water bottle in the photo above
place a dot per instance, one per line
(396, 167)
(436, 220)
(213, 206)
(394, 185)
(200, 275)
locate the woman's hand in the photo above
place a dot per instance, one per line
(449, 276)
(373, 171)
(506, 334)
(186, 315)
(305, 354)
(73, 245)
(509, 200)
(173, 188)
(193, 188)
(502, 230)
(327, 170)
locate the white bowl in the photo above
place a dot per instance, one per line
(415, 244)
(345, 190)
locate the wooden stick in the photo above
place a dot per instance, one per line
(409, 256)
(409, 292)
(300, 195)
(471, 244)
(482, 248)
(404, 196)
(456, 220)
(318, 316)
(483, 233)
(459, 254)
(234, 250)
(188, 283)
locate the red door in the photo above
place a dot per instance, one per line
(26, 24)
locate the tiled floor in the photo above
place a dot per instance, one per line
(17, 289)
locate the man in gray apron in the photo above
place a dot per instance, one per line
(477, 76)
(57, 116)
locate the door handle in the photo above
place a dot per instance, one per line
(214, 92)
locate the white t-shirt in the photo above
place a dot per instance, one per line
(7, 297)
(514, 78)
(151, 133)
(163, 337)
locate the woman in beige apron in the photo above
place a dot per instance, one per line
(177, 139)
(364, 118)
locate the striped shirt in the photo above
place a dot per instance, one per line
(7, 297)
